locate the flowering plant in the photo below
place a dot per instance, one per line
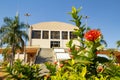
(92, 35)
(84, 63)
(90, 44)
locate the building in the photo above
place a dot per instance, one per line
(46, 35)
(51, 34)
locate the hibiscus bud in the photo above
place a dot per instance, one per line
(47, 76)
(77, 49)
(100, 68)
(61, 65)
(66, 61)
(69, 50)
(55, 62)
(71, 56)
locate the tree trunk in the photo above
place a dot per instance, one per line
(24, 50)
(12, 55)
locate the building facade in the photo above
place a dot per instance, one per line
(51, 34)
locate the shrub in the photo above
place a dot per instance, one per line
(20, 71)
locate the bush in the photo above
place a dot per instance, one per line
(21, 71)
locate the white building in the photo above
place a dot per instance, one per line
(51, 34)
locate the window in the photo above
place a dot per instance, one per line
(36, 34)
(45, 35)
(55, 35)
(64, 35)
(55, 44)
(72, 36)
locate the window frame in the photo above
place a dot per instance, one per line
(44, 36)
(36, 34)
(65, 35)
(56, 35)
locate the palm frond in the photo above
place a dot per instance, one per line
(118, 43)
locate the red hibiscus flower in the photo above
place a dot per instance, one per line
(55, 62)
(92, 35)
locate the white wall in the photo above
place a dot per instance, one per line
(43, 43)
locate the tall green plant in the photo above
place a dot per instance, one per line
(80, 31)
(91, 41)
(13, 34)
(77, 20)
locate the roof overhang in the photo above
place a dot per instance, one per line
(28, 50)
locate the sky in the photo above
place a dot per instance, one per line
(103, 14)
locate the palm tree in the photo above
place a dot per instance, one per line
(13, 33)
(118, 43)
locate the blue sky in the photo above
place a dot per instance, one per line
(103, 14)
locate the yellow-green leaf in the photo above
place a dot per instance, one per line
(73, 10)
(84, 70)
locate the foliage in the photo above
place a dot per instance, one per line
(20, 71)
(5, 54)
(51, 67)
(112, 71)
(84, 63)
(79, 32)
(13, 34)
(4, 63)
(69, 71)
(72, 48)
(118, 43)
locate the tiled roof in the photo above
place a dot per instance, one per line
(53, 26)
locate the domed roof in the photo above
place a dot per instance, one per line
(53, 26)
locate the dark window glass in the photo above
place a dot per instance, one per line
(36, 34)
(55, 35)
(45, 35)
(64, 35)
(72, 36)
(55, 44)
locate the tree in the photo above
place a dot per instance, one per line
(118, 43)
(13, 33)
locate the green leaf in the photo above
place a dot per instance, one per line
(84, 71)
(79, 9)
(74, 10)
